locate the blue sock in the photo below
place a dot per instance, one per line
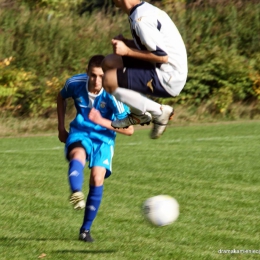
(76, 175)
(92, 206)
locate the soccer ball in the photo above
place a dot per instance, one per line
(161, 210)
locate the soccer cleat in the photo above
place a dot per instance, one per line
(132, 119)
(85, 236)
(160, 122)
(77, 200)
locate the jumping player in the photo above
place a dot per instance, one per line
(91, 137)
(153, 63)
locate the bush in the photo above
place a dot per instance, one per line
(49, 44)
(21, 93)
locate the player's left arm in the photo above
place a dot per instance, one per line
(128, 42)
(150, 38)
(121, 49)
(96, 117)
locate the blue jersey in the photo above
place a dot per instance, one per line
(76, 87)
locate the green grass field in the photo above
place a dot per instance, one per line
(212, 170)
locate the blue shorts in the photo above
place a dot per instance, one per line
(98, 153)
(140, 76)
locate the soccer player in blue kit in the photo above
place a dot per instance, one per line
(153, 63)
(91, 137)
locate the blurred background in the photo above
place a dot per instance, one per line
(44, 42)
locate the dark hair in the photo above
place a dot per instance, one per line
(95, 61)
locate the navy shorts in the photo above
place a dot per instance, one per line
(140, 76)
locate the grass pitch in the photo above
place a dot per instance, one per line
(212, 170)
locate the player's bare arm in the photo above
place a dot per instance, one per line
(61, 110)
(129, 43)
(96, 117)
(120, 48)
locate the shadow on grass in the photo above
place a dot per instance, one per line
(5, 241)
(18, 239)
(84, 251)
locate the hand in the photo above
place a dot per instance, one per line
(95, 116)
(63, 135)
(119, 47)
(119, 37)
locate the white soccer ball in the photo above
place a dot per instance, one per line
(161, 210)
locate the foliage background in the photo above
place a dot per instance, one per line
(44, 42)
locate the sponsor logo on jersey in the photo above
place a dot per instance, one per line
(102, 104)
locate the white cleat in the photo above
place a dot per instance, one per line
(132, 119)
(160, 122)
(77, 200)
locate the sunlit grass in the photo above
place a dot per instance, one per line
(212, 170)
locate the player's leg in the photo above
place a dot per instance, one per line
(94, 198)
(129, 85)
(134, 100)
(145, 80)
(100, 164)
(112, 61)
(78, 147)
(76, 155)
(160, 122)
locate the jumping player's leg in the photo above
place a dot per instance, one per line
(112, 61)
(138, 103)
(129, 85)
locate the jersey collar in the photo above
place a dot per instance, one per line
(133, 9)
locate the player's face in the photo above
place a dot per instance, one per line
(95, 78)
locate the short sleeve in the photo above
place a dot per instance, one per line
(68, 89)
(120, 109)
(148, 31)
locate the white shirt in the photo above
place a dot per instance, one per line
(153, 30)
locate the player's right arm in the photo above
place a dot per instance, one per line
(61, 110)
(65, 93)
(97, 118)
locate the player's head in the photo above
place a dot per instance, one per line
(95, 72)
(117, 3)
(95, 61)
(126, 5)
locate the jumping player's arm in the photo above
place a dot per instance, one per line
(148, 36)
(120, 48)
(129, 43)
(97, 118)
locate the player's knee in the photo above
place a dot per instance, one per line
(97, 180)
(107, 63)
(111, 61)
(78, 154)
(109, 81)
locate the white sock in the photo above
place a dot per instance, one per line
(137, 102)
(153, 107)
